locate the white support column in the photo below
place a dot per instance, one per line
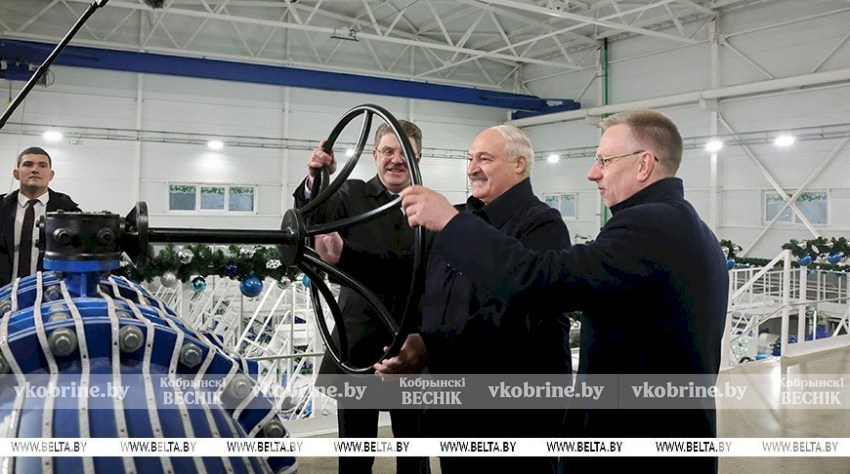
(714, 218)
(136, 169)
(803, 295)
(284, 169)
(786, 302)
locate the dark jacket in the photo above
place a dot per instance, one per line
(467, 334)
(653, 287)
(388, 232)
(8, 208)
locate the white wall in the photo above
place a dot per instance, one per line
(644, 69)
(102, 172)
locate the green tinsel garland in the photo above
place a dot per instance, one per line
(819, 249)
(265, 262)
(260, 261)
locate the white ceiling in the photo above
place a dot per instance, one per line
(496, 44)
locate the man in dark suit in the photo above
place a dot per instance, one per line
(653, 286)
(389, 232)
(20, 211)
(466, 332)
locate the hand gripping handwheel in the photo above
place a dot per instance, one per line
(312, 266)
(297, 229)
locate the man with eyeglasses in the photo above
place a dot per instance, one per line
(367, 335)
(653, 286)
(471, 334)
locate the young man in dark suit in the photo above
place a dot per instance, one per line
(20, 211)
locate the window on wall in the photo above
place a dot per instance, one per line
(565, 203)
(812, 204)
(181, 197)
(240, 199)
(211, 198)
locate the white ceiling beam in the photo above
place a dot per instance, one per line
(313, 12)
(783, 24)
(532, 24)
(463, 39)
(203, 23)
(832, 51)
(76, 13)
(325, 30)
(841, 76)
(557, 32)
(675, 20)
(38, 15)
(502, 33)
(284, 62)
(117, 27)
(241, 37)
(746, 59)
(440, 23)
(585, 20)
(617, 9)
(793, 199)
(374, 55)
(271, 35)
(402, 55)
(372, 18)
(484, 72)
(698, 8)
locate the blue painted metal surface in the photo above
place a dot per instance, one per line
(34, 308)
(19, 54)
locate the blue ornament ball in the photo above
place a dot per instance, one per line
(834, 258)
(730, 263)
(305, 280)
(805, 260)
(199, 284)
(231, 269)
(251, 286)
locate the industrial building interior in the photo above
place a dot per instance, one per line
(161, 102)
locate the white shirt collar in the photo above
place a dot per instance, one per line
(23, 200)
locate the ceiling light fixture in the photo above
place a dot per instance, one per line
(784, 140)
(215, 145)
(553, 158)
(713, 146)
(52, 135)
(349, 34)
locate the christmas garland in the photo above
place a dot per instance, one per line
(188, 262)
(253, 264)
(826, 254)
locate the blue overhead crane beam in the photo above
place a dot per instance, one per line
(18, 54)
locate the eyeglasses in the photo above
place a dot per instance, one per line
(389, 152)
(603, 160)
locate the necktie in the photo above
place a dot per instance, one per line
(25, 248)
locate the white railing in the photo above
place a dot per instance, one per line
(277, 328)
(764, 302)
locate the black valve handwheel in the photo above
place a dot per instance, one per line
(297, 230)
(312, 266)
